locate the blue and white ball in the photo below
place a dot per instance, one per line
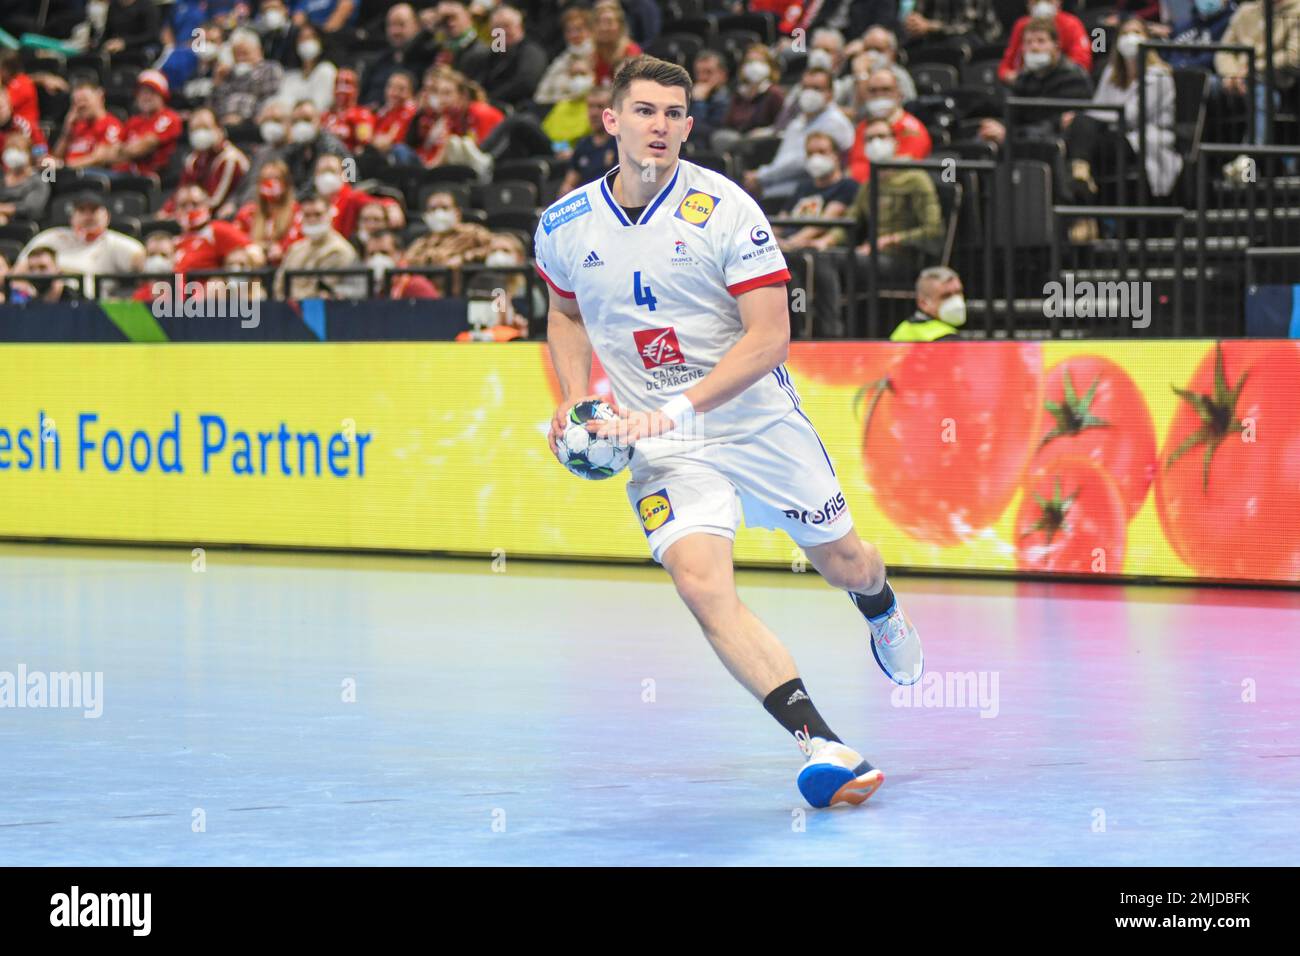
(582, 452)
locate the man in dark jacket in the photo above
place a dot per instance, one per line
(513, 73)
(1046, 75)
(409, 48)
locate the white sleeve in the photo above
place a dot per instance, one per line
(548, 263)
(749, 254)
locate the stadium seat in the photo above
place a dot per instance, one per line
(77, 180)
(505, 195)
(535, 171)
(934, 78)
(9, 248)
(763, 24)
(121, 203)
(19, 230)
(952, 52)
(981, 74)
(146, 185)
(126, 224)
(170, 226)
(519, 219)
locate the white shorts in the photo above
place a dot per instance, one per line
(782, 478)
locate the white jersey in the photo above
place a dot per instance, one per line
(658, 296)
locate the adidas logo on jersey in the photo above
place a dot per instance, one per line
(592, 260)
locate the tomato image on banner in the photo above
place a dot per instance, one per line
(1096, 411)
(836, 363)
(1071, 520)
(1228, 484)
(948, 434)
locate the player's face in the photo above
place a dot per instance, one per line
(650, 125)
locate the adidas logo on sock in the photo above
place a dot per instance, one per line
(797, 695)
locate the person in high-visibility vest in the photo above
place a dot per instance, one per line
(940, 307)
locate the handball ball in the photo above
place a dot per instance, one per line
(582, 452)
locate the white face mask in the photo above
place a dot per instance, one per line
(207, 53)
(98, 13)
(755, 72)
(1038, 60)
(272, 132)
(327, 184)
(880, 150)
(274, 19)
(308, 50)
(314, 230)
(953, 310)
(499, 259)
(380, 263)
(584, 49)
(302, 132)
(203, 139)
(820, 59)
(14, 158)
(819, 165)
(1128, 45)
(876, 60)
(242, 69)
(158, 264)
(440, 220)
(1044, 11)
(580, 85)
(880, 107)
(812, 101)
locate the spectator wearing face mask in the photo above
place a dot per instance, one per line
(207, 49)
(273, 25)
(777, 178)
(345, 202)
(272, 219)
(23, 192)
(350, 123)
(940, 307)
(320, 247)
(87, 246)
(410, 48)
(567, 121)
(151, 134)
(159, 253)
(579, 48)
(1071, 39)
(910, 228)
(313, 77)
(307, 143)
(884, 102)
(13, 125)
(826, 53)
(757, 100)
(449, 241)
(213, 162)
(613, 44)
(879, 52)
(91, 134)
(371, 221)
(1046, 74)
(1205, 21)
(453, 106)
(383, 254)
(204, 242)
(32, 280)
(593, 155)
(241, 88)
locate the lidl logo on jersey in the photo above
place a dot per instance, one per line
(697, 207)
(828, 513)
(592, 260)
(559, 215)
(658, 347)
(655, 510)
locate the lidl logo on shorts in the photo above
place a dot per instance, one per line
(559, 215)
(655, 510)
(697, 207)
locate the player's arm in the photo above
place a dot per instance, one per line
(566, 335)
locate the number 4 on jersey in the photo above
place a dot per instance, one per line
(642, 296)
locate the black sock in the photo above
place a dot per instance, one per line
(874, 605)
(794, 710)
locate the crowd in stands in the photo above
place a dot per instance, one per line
(285, 135)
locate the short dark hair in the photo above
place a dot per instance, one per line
(1043, 25)
(43, 251)
(646, 67)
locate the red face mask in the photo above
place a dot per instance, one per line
(197, 218)
(270, 189)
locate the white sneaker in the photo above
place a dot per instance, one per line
(896, 646)
(835, 774)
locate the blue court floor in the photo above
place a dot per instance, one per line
(303, 709)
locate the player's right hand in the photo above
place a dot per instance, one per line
(561, 419)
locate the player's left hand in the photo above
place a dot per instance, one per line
(629, 428)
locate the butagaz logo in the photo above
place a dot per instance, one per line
(592, 260)
(658, 347)
(102, 909)
(558, 216)
(797, 695)
(828, 513)
(758, 235)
